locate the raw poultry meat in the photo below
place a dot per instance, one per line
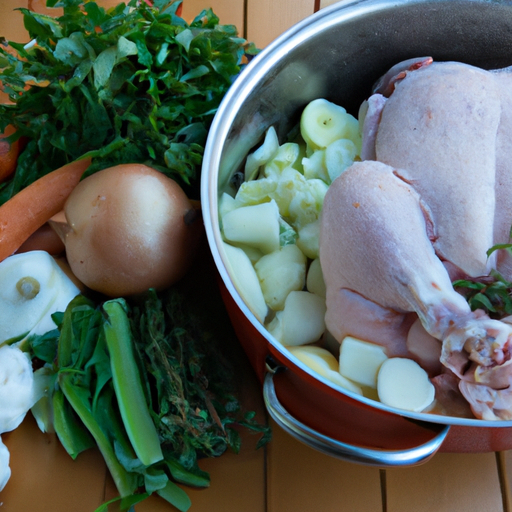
(431, 196)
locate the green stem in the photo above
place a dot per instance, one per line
(71, 432)
(133, 406)
(175, 496)
(125, 483)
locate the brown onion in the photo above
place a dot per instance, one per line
(129, 228)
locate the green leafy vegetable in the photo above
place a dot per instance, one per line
(133, 83)
(492, 293)
(129, 374)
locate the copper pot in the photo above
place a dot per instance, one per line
(338, 53)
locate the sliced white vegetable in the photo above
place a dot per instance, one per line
(315, 279)
(5, 470)
(279, 273)
(339, 156)
(287, 156)
(257, 191)
(306, 204)
(302, 319)
(290, 184)
(322, 122)
(253, 253)
(256, 225)
(266, 152)
(360, 361)
(404, 384)
(32, 288)
(325, 364)
(314, 166)
(246, 281)
(354, 132)
(227, 204)
(308, 239)
(317, 358)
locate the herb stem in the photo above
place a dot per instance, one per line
(72, 434)
(125, 482)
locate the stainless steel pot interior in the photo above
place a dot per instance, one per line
(338, 53)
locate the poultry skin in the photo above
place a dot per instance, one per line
(432, 194)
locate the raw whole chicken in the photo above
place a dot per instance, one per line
(432, 194)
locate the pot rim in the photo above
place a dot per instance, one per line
(254, 73)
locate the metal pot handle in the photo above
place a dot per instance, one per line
(338, 449)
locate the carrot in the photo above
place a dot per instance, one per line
(8, 153)
(30, 208)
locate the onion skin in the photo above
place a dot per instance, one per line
(129, 228)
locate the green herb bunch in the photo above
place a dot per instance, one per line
(134, 83)
(190, 382)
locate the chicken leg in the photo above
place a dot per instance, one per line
(376, 241)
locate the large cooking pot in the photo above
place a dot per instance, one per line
(338, 53)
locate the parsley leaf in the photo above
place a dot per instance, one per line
(133, 83)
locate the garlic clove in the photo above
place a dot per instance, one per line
(17, 392)
(5, 470)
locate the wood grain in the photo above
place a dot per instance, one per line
(446, 483)
(267, 19)
(230, 12)
(301, 479)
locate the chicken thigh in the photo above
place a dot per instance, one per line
(395, 230)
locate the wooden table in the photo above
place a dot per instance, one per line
(286, 476)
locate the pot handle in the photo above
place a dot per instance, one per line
(333, 447)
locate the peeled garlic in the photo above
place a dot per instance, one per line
(17, 391)
(5, 470)
(32, 288)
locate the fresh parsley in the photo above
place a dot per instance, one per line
(133, 83)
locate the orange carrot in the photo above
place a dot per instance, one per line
(30, 208)
(8, 153)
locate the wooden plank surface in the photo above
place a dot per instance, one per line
(230, 12)
(267, 19)
(287, 476)
(303, 479)
(447, 483)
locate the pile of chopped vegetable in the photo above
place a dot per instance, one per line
(134, 83)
